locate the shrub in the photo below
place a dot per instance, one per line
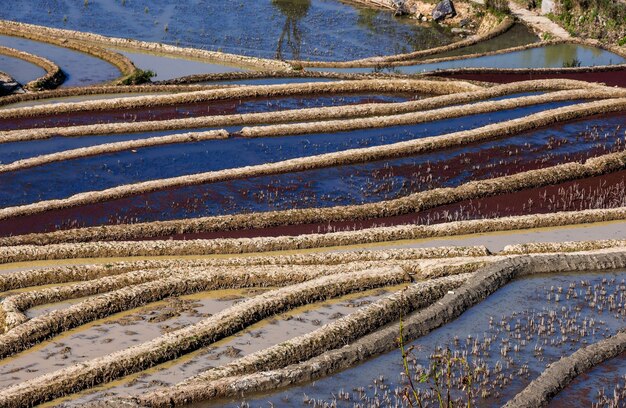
(138, 77)
(498, 6)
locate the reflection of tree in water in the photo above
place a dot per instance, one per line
(294, 11)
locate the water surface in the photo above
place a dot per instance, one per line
(80, 69)
(283, 29)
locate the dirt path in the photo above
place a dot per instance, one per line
(535, 20)
(538, 22)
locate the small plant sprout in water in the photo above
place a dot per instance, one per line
(574, 63)
(447, 382)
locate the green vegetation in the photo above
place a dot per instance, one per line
(599, 19)
(575, 62)
(138, 77)
(500, 8)
(448, 380)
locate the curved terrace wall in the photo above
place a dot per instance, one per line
(424, 86)
(102, 90)
(323, 113)
(48, 34)
(37, 33)
(560, 373)
(482, 284)
(108, 148)
(616, 50)
(207, 331)
(501, 28)
(137, 288)
(54, 75)
(75, 273)
(321, 127)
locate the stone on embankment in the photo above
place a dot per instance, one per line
(401, 8)
(547, 6)
(444, 9)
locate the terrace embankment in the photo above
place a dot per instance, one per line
(216, 108)
(308, 220)
(58, 94)
(54, 75)
(380, 85)
(559, 374)
(611, 74)
(114, 147)
(121, 62)
(93, 44)
(483, 283)
(423, 116)
(182, 341)
(113, 294)
(594, 166)
(110, 277)
(383, 61)
(309, 114)
(190, 137)
(226, 78)
(438, 64)
(333, 335)
(72, 273)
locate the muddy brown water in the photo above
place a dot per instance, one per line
(256, 337)
(113, 333)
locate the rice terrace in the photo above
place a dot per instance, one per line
(313, 203)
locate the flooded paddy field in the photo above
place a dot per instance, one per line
(507, 340)
(549, 56)
(229, 107)
(317, 30)
(169, 67)
(341, 185)
(80, 69)
(310, 203)
(22, 71)
(79, 98)
(516, 36)
(12, 151)
(264, 334)
(114, 333)
(259, 150)
(611, 77)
